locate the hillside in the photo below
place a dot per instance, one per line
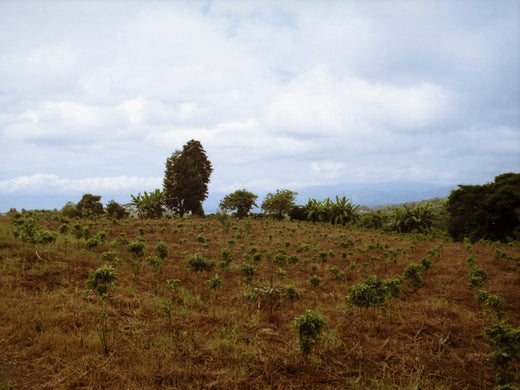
(153, 332)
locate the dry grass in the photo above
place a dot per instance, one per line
(50, 332)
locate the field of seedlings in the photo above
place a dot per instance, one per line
(209, 303)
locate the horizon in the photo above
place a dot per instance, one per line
(398, 191)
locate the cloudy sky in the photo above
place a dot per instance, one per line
(95, 95)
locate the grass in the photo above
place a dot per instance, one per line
(50, 331)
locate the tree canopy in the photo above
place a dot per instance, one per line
(490, 211)
(115, 210)
(186, 179)
(279, 204)
(90, 205)
(240, 201)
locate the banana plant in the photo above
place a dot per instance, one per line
(342, 211)
(148, 205)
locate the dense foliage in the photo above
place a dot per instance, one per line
(280, 203)
(240, 201)
(490, 211)
(186, 179)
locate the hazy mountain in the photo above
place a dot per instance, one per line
(368, 194)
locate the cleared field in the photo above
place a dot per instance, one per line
(154, 332)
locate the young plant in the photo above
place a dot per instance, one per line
(413, 273)
(197, 263)
(136, 249)
(101, 280)
(161, 249)
(248, 270)
(315, 280)
(155, 263)
(477, 277)
(374, 291)
(505, 352)
(309, 327)
(214, 282)
(291, 293)
(337, 274)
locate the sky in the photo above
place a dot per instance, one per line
(96, 95)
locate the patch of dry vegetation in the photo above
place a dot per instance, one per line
(151, 333)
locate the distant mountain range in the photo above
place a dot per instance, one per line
(368, 194)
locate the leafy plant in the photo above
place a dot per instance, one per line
(214, 282)
(505, 351)
(477, 277)
(197, 263)
(337, 274)
(100, 280)
(374, 291)
(291, 293)
(309, 327)
(248, 270)
(136, 249)
(315, 280)
(161, 249)
(241, 201)
(413, 273)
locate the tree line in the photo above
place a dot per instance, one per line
(490, 211)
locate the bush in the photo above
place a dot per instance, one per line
(315, 280)
(477, 277)
(197, 263)
(309, 327)
(100, 280)
(413, 273)
(374, 291)
(248, 270)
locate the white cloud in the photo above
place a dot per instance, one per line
(315, 103)
(279, 95)
(51, 184)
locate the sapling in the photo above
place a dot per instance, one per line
(155, 263)
(214, 282)
(309, 326)
(197, 263)
(248, 270)
(161, 249)
(291, 293)
(413, 273)
(315, 280)
(101, 280)
(136, 249)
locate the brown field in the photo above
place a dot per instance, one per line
(51, 333)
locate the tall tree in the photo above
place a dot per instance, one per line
(186, 179)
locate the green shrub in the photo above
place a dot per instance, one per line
(337, 274)
(93, 243)
(413, 273)
(197, 263)
(309, 326)
(100, 280)
(477, 277)
(291, 293)
(374, 291)
(315, 280)
(248, 270)
(161, 249)
(214, 282)
(505, 351)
